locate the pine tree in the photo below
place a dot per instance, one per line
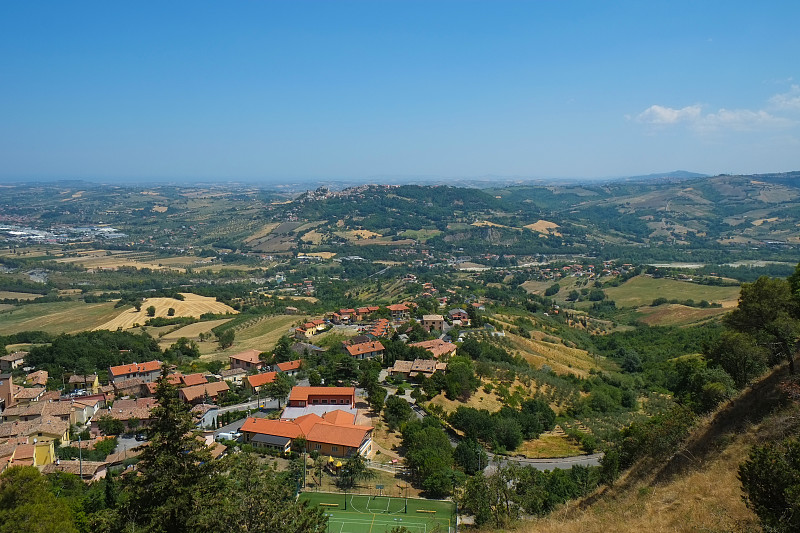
(173, 472)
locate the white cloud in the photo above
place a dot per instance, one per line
(724, 119)
(656, 114)
(741, 120)
(788, 101)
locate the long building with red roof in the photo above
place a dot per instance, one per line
(147, 372)
(333, 434)
(303, 396)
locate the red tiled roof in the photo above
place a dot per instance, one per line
(29, 393)
(290, 365)
(134, 368)
(336, 428)
(436, 346)
(250, 356)
(364, 347)
(397, 307)
(339, 417)
(279, 428)
(194, 379)
(302, 393)
(257, 380)
(351, 436)
(195, 392)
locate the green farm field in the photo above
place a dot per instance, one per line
(642, 290)
(262, 334)
(349, 513)
(56, 317)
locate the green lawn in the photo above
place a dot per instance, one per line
(642, 290)
(354, 513)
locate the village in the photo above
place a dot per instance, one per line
(318, 418)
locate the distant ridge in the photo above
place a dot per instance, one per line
(675, 174)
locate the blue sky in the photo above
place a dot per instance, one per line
(315, 90)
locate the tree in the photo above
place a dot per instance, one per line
(171, 311)
(429, 455)
(460, 378)
(172, 478)
(771, 482)
(241, 506)
(376, 397)
(183, 347)
(353, 471)
(110, 425)
(769, 311)
(151, 311)
(397, 411)
(470, 456)
(740, 356)
(279, 389)
(27, 504)
(226, 338)
(283, 350)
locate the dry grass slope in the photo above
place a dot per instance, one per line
(697, 489)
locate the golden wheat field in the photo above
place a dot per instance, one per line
(193, 305)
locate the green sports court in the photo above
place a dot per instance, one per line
(357, 513)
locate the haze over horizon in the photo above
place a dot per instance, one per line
(364, 91)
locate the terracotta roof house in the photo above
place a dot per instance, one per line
(198, 393)
(20, 452)
(43, 428)
(460, 315)
(289, 367)
(335, 434)
(125, 410)
(302, 396)
(437, 347)
(27, 395)
(426, 367)
(248, 360)
(131, 387)
(89, 470)
(366, 350)
(380, 328)
(89, 382)
(38, 378)
(147, 372)
(398, 311)
(13, 360)
(432, 322)
(234, 375)
(256, 381)
(193, 379)
(400, 368)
